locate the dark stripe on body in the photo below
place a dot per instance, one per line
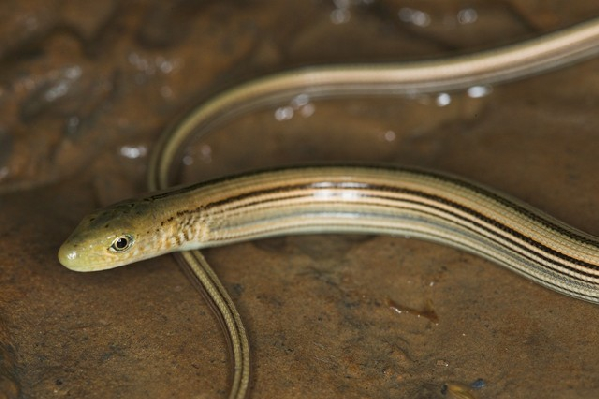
(475, 188)
(541, 248)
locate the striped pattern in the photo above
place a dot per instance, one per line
(433, 207)
(395, 201)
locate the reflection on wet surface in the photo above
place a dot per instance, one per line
(428, 312)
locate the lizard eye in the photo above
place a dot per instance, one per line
(121, 244)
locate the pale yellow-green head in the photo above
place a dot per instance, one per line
(114, 236)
